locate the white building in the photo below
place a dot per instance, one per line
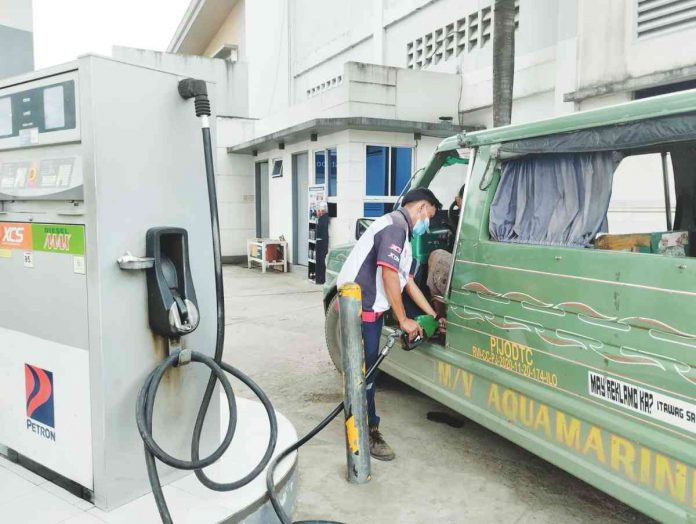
(16, 37)
(358, 94)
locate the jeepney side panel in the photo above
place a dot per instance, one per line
(569, 353)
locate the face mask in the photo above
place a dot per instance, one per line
(421, 226)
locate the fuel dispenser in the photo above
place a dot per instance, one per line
(100, 163)
(111, 277)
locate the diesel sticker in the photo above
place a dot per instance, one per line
(59, 238)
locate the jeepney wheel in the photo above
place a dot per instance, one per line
(332, 332)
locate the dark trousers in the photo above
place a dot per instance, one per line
(320, 265)
(371, 332)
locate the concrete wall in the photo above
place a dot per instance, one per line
(294, 46)
(266, 38)
(16, 37)
(381, 29)
(234, 173)
(371, 91)
(230, 79)
(609, 49)
(236, 199)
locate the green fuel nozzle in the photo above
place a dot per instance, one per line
(428, 324)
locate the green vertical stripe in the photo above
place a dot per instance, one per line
(59, 238)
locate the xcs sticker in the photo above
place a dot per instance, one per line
(15, 236)
(39, 401)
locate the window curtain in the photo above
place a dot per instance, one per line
(554, 199)
(684, 166)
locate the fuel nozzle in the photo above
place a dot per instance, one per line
(428, 324)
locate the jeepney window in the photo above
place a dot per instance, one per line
(450, 178)
(553, 199)
(641, 203)
(638, 201)
(642, 210)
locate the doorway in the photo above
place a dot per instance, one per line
(261, 181)
(300, 208)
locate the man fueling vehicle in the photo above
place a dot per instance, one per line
(382, 264)
(570, 324)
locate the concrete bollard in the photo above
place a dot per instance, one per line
(354, 387)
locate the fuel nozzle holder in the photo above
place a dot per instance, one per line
(172, 305)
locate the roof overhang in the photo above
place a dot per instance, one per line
(324, 126)
(628, 85)
(202, 20)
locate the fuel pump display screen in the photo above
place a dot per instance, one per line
(5, 116)
(54, 108)
(38, 110)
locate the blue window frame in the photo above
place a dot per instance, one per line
(387, 170)
(377, 171)
(401, 161)
(333, 172)
(321, 166)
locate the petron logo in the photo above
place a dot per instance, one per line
(39, 401)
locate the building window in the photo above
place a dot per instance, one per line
(470, 32)
(387, 170)
(320, 170)
(320, 167)
(277, 169)
(324, 86)
(664, 89)
(655, 17)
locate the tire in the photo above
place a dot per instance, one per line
(332, 333)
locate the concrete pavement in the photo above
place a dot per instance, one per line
(441, 474)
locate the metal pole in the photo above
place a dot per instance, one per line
(354, 387)
(665, 181)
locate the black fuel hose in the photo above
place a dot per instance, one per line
(270, 483)
(146, 398)
(190, 88)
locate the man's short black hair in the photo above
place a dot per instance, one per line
(421, 193)
(461, 191)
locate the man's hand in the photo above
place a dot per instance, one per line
(443, 324)
(411, 328)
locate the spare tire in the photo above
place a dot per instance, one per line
(332, 332)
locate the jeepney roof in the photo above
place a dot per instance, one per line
(658, 106)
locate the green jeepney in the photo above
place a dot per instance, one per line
(572, 310)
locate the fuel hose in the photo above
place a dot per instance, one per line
(197, 89)
(190, 88)
(270, 484)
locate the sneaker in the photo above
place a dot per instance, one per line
(379, 449)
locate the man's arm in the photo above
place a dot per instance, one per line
(392, 287)
(419, 298)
